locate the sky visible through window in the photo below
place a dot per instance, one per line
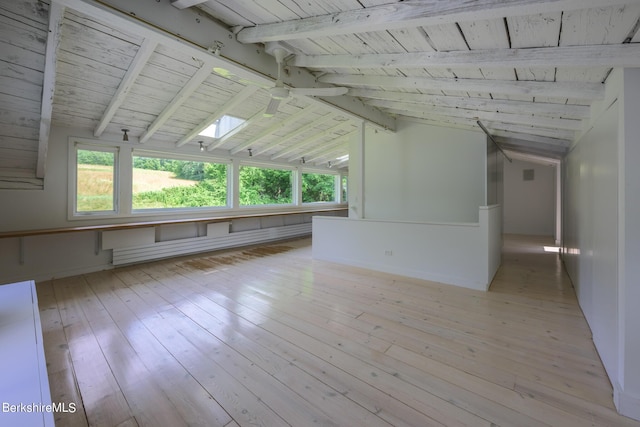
(222, 126)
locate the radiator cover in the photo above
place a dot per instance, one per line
(158, 250)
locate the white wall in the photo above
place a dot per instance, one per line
(466, 255)
(529, 206)
(628, 399)
(601, 233)
(424, 173)
(416, 207)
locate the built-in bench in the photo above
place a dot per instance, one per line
(24, 385)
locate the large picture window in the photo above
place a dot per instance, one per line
(95, 181)
(122, 181)
(164, 183)
(318, 187)
(263, 186)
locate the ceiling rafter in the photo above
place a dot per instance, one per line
(566, 143)
(493, 125)
(409, 13)
(574, 90)
(523, 119)
(532, 147)
(322, 151)
(330, 156)
(541, 141)
(321, 148)
(181, 97)
(484, 104)
(145, 51)
(189, 32)
(237, 99)
(183, 4)
(341, 163)
(247, 123)
(306, 128)
(267, 132)
(620, 55)
(56, 15)
(311, 139)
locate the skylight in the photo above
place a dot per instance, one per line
(222, 126)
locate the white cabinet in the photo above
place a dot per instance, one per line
(24, 386)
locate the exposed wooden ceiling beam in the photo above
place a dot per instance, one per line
(311, 140)
(145, 51)
(181, 97)
(575, 90)
(329, 159)
(56, 15)
(236, 100)
(524, 119)
(332, 155)
(565, 143)
(544, 145)
(323, 150)
(483, 104)
(306, 128)
(529, 147)
(274, 128)
(614, 55)
(183, 4)
(409, 13)
(492, 125)
(190, 32)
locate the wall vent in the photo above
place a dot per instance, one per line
(528, 174)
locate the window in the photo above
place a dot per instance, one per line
(318, 187)
(163, 183)
(222, 126)
(263, 186)
(344, 189)
(95, 181)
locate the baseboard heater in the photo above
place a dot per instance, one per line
(159, 250)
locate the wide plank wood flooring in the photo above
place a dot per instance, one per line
(267, 336)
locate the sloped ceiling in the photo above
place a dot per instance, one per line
(164, 70)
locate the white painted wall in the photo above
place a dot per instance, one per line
(529, 206)
(466, 255)
(628, 399)
(601, 233)
(424, 173)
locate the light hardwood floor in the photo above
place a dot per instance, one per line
(268, 336)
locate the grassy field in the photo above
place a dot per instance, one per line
(95, 185)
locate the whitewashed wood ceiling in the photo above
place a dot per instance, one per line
(528, 70)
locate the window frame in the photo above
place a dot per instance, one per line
(336, 177)
(123, 181)
(74, 147)
(180, 157)
(263, 165)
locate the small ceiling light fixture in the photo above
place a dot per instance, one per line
(201, 146)
(125, 136)
(303, 161)
(329, 165)
(250, 153)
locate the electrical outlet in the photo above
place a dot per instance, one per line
(388, 252)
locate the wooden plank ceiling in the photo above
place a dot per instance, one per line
(528, 70)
